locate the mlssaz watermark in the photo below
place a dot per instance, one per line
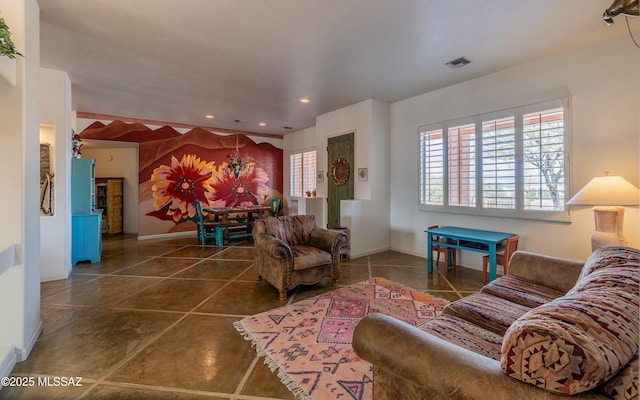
(47, 381)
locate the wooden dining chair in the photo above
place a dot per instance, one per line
(275, 207)
(502, 258)
(206, 229)
(449, 253)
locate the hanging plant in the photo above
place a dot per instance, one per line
(7, 48)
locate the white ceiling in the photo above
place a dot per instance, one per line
(252, 60)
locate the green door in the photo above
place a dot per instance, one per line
(341, 173)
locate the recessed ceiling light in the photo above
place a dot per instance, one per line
(262, 123)
(304, 100)
(209, 116)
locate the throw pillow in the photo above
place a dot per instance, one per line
(574, 343)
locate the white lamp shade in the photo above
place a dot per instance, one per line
(607, 191)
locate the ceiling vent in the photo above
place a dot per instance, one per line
(458, 62)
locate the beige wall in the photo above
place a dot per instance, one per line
(120, 162)
(605, 92)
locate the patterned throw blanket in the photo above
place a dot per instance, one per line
(309, 342)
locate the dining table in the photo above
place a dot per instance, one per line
(235, 221)
(228, 215)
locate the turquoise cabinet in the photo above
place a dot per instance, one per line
(86, 239)
(82, 186)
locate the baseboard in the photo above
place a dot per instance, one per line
(22, 355)
(7, 361)
(169, 235)
(353, 255)
(470, 262)
(54, 277)
(411, 253)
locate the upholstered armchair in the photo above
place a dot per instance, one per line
(292, 250)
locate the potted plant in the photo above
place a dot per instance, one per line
(7, 48)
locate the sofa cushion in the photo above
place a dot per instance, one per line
(465, 334)
(612, 256)
(623, 386)
(307, 257)
(521, 291)
(573, 343)
(618, 277)
(490, 312)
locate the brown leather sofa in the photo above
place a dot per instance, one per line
(548, 329)
(292, 250)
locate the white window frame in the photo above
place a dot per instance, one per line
(293, 172)
(478, 209)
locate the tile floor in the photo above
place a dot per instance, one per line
(153, 320)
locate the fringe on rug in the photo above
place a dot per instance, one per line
(292, 386)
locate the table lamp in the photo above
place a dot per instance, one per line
(607, 194)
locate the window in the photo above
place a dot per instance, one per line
(302, 172)
(461, 159)
(498, 163)
(543, 147)
(511, 163)
(432, 167)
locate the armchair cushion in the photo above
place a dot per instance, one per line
(308, 256)
(297, 229)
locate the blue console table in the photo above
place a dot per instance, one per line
(487, 242)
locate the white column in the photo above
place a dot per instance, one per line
(19, 192)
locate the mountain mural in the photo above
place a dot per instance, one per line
(176, 169)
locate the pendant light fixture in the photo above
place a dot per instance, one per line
(238, 165)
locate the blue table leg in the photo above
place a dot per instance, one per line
(492, 261)
(219, 236)
(429, 253)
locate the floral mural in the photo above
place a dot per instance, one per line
(180, 184)
(177, 186)
(177, 169)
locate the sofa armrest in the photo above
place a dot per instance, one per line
(557, 273)
(440, 366)
(327, 239)
(268, 244)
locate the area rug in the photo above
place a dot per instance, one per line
(309, 342)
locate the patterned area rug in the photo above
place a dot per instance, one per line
(309, 342)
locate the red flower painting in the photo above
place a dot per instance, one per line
(178, 186)
(249, 188)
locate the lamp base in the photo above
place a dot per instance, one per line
(609, 221)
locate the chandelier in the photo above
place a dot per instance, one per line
(237, 165)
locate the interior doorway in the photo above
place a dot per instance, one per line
(341, 170)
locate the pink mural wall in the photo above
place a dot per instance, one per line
(176, 169)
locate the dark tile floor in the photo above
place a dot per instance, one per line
(153, 320)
